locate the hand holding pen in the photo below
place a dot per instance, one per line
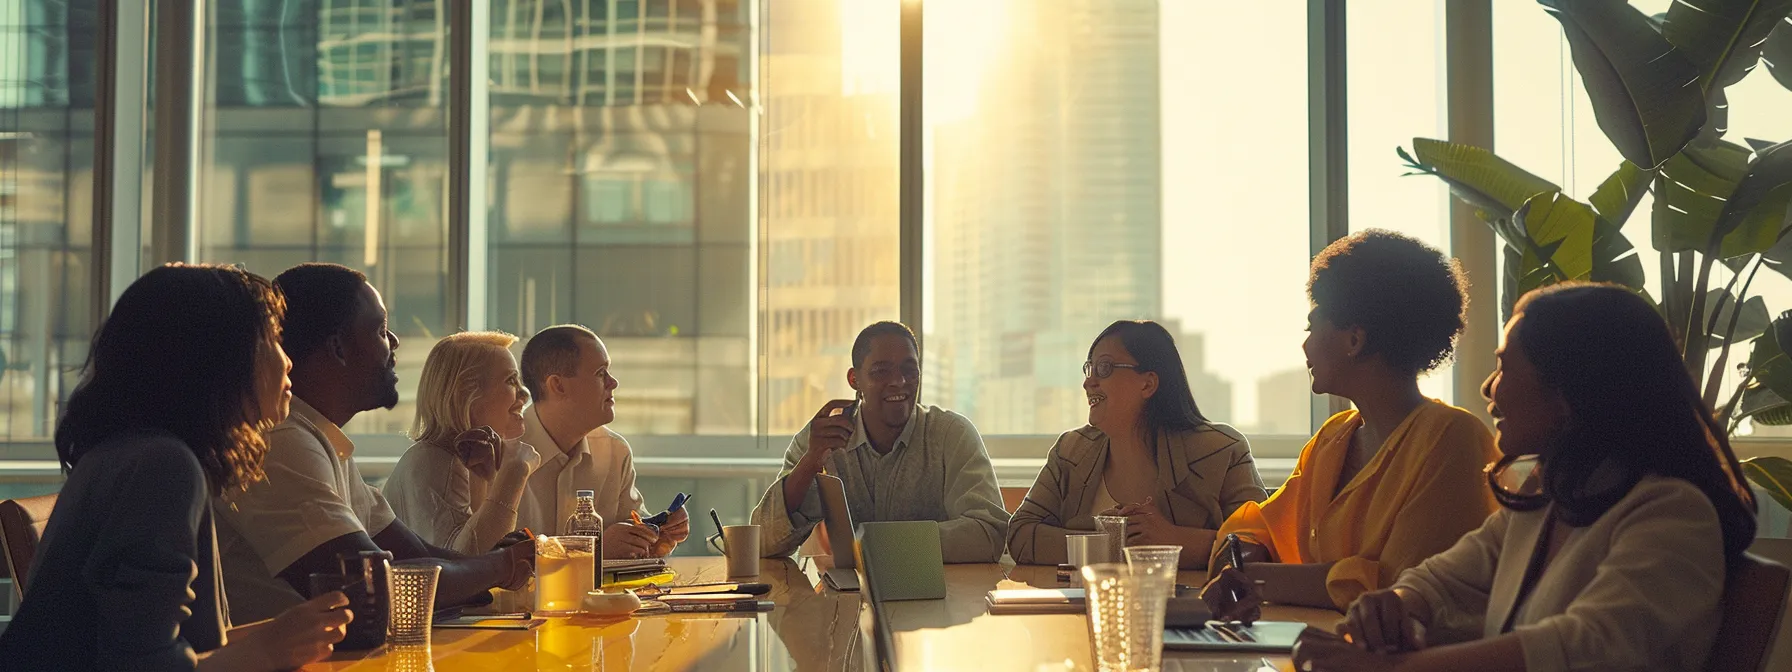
(1232, 594)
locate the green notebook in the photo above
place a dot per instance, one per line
(902, 561)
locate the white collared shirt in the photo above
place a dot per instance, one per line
(938, 470)
(601, 461)
(313, 493)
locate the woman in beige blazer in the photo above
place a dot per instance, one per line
(1622, 507)
(1147, 454)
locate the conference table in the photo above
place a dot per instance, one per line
(812, 628)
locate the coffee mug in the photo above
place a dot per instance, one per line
(740, 543)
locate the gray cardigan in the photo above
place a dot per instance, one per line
(126, 577)
(1202, 476)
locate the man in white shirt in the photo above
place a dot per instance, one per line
(898, 460)
(314, 506)
(567, 371)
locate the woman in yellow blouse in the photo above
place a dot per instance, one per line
(1380, 488)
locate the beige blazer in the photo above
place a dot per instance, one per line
(1636, 590)
(1202, 477)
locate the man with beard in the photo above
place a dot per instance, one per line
(313, 506)
(898, 460)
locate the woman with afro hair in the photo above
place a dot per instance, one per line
(1386, 485)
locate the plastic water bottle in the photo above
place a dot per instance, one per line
(585, 521)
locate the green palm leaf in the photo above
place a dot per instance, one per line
(1646, 94)
(1772, 475)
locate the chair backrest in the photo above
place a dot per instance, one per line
(1754, 598)
(22, 524)
(1012, 497)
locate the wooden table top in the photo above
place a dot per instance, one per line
(813, 628)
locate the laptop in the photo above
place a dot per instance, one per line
(837, 517)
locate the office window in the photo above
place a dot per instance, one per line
(1544, 124)
(626, 202)
(46, 199)
(327, 141)
(1094, 160)
(1396, 92)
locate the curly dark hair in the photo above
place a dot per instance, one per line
(178, 354)
(1409, 298)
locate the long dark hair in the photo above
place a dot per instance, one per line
(178, 354)
(1631, 404)
(1172, 408)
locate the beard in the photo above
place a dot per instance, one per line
(387, 395)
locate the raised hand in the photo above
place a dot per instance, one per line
(479, 450)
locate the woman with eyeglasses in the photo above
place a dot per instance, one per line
(1383, 486)
(1147, 454)
(1622, 507)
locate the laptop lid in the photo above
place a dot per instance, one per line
(838, 519)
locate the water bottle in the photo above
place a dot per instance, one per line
(585, 521)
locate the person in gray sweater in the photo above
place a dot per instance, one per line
(182, 378)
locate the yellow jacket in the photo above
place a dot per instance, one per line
(1425, 489)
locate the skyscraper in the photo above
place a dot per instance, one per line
(828, 223)
(1047, 209)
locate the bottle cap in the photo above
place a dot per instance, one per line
(587, 493)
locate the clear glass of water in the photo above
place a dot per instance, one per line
(1160, 561)
(1115, 528)
(1126, 616)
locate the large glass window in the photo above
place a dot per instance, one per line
(1093, 161)
(1544, 123)
(1396, 91)
(46, 228)
(621, 161)
(326, 140)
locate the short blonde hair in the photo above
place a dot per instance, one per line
(451, 380)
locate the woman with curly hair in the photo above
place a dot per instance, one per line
(182, 379)
(1384, 486)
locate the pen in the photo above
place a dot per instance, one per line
(1234, 556)
(636, 517)
(742, 605)
(718, 521)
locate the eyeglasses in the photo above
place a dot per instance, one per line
(1104, 368)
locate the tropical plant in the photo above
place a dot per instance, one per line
(1656, 85)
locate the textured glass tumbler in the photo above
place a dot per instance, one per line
(413, 603)
(1115, 528)
(1126, 617)
(409, 658)
(1159, 561)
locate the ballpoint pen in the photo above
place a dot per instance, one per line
(1236, 558)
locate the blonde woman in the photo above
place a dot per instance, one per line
(459, 485)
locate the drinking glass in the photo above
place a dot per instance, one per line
(1126, 617)
(1115, 528)
(1159, 561)
(413, 589)
(565, 570)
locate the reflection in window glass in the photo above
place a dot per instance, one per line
(1087, 165)
(620, 201)
(46, 194)
(828, 74)
(327, 142)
